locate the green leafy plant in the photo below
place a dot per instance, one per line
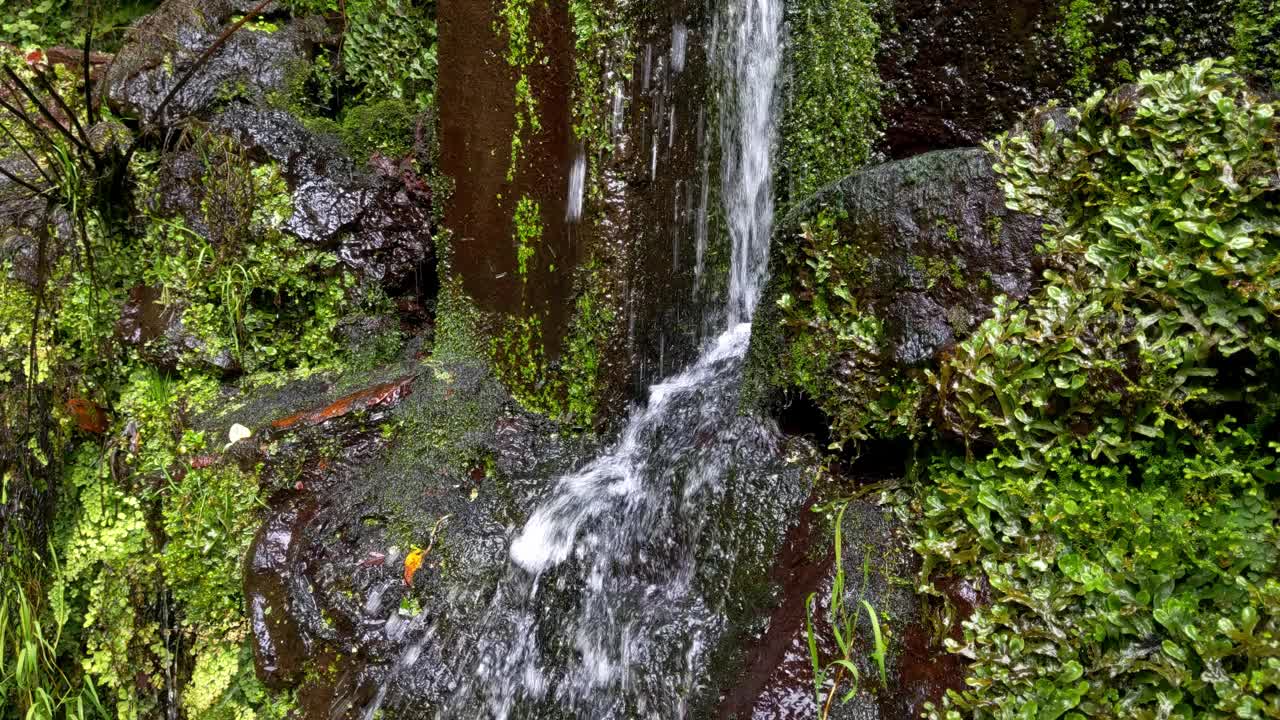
(389, 49)
(1118, 487)
(842, 670)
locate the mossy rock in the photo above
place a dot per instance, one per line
(882, 272)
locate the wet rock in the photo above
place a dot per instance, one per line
(379, 222)
(156, 330)
(24, 220)
(938, 245)
(958, 71)
(180, 189)
(779, 682)
(430, 461)
(163, 46)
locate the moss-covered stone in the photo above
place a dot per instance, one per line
(833, 94)
(874, 276)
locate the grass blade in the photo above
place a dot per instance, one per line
(879, 652)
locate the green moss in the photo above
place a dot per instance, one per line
(1076, 31)
(528, 233)
(386, 127)
(829, 125)
(515, 18)
(569, 388)
(1255, 38)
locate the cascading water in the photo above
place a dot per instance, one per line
(747, 127)
(601, 612)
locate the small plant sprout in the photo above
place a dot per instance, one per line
(844, 628)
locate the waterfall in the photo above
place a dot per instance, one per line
(747, 129)
(599, 614)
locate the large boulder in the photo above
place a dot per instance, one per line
(882, 272)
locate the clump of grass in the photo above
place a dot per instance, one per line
(842, 670)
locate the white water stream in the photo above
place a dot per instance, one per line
(598, 615)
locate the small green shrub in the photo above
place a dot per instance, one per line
(389, 49)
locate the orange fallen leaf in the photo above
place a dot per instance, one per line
(87, 415)
(412, 562)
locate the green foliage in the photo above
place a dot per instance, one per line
(829, 328)
(389, 49)
(1163, 265)
(38, 24)
(31, 633)
(146, 606)
(834, 104)
(1138, 590)
(1125, 522)
(250, 290)
(45, 23)
(830, 675)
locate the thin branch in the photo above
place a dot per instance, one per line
(26, 90)
(62, 104)
(5, 171)
(88, 92)
(18, 112)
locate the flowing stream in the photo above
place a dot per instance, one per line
(603, 611)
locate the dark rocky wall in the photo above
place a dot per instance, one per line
(662, 192)
(649, 197)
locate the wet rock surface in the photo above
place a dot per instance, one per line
(435, 462)
(880, 568)
(163, 46)
(378, 220)
(939, 245)
(959, 71)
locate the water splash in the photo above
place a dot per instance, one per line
(577, 181)
(679, 37)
